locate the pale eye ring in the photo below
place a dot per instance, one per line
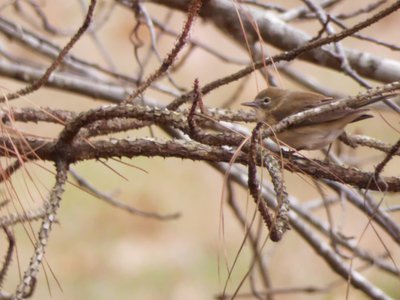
(266, 100)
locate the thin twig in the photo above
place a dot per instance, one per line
(8, 257)
(193, 11)
(116, 203)
(42, 81)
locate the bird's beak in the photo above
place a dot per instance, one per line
(250, 104)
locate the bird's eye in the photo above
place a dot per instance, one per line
(266, 100)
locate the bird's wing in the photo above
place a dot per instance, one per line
(304, 101)
(299, 102)
(358, 115)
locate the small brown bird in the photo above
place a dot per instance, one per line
(274, 104)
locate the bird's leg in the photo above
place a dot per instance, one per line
(326, 152)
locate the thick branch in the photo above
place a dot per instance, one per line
(223, 13)
(47, 150)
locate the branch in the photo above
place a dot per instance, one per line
(273, 30)
(43, 79)
(82, 150)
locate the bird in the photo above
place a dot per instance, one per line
(316, 132)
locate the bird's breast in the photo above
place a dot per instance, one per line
(309, 137)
